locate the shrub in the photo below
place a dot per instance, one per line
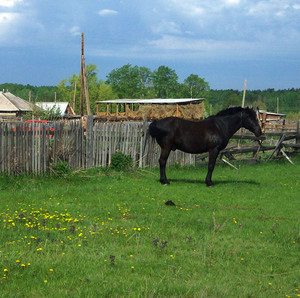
(61, 168)
(121, 161)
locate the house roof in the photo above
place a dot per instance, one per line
(154, 101)
(10, 103)
(63, 107)
(271, 113)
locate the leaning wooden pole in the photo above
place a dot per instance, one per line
(244, 94)
(81, 76)
(74, 97)
(87, 98)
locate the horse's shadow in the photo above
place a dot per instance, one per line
(216, 182)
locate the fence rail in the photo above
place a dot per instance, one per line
(34, 148)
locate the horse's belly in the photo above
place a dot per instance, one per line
(193, 149)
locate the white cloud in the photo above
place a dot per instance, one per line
(166, 27)
(75, 31)
(8, 27)
(172, 43)
(263, 8)
(232, 2)
(8, 17)
(106, 12)
(9, 3)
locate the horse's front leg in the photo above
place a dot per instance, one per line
(162, 165)
(213, 154)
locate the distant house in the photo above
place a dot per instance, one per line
(64, 108)
(11, 105)
(271, 120)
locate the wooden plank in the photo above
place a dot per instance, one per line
(89, 141)
(1, 147)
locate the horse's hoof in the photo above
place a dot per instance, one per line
(165, 182)
(210, 185)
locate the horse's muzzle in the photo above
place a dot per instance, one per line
(258, 132)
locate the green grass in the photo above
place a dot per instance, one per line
(101, 233)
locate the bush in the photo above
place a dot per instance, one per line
(121, 161)
(61, 168)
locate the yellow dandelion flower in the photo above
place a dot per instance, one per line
(51, 270)
(45, 281)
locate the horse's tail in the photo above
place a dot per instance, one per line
(154, 132)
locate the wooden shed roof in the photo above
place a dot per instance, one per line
(10, 103)
(154, 101)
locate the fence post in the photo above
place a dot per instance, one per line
(89, 141)
(298, 134)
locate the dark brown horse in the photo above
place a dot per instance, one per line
(209, 135)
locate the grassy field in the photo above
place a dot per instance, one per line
(101, 233)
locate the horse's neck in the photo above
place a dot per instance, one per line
(233, 124)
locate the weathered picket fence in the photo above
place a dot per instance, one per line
(34, 148)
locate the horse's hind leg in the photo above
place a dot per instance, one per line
(162, 165)
(213, 154)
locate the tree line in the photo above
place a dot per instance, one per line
(131, 81)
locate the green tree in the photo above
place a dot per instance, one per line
(261, 105)
(232, 100)
(196, 86)
(105, 92)
(165, 82)
(129, 81)
(67, 88)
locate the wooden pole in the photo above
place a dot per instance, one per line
(87, 98)
(29, 95)
(244, 94)
(277, 105)
(54, 96)
(74, 97)
(298, 133)
(81, 75)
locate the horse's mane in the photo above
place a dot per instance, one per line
(232, 111)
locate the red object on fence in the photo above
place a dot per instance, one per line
(49, 125)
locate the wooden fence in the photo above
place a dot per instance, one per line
(34, 148)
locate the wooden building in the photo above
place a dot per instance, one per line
(139, 109)
(13, 106)
(63, 108)
(271, 120)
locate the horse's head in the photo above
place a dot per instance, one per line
(250, 120)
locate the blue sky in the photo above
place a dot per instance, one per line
(222, 41)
